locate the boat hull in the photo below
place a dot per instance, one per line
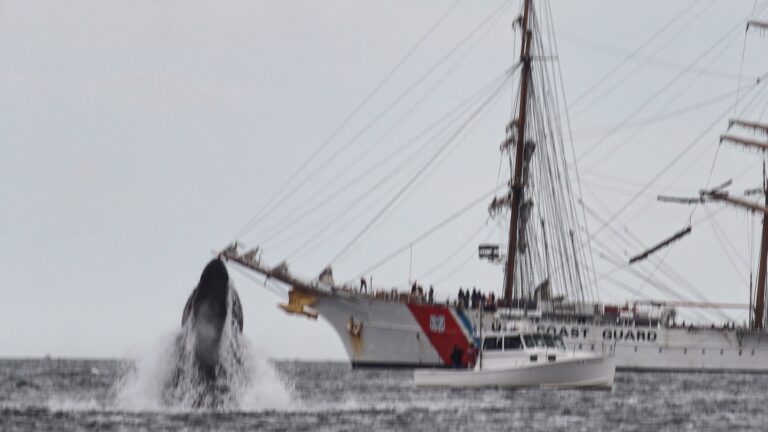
(411, 335)
(590, 372)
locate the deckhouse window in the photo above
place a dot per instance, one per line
(539, 340)
(492, 344)
(513, 343)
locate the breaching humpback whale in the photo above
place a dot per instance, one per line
(208, 347)
(206, 311)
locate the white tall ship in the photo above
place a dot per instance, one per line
(545, 280)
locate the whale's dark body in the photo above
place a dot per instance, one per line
(209, 346)
(206, 312)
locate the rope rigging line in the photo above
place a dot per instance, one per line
(752, 102)
(343, 124)
(556, 223)
(425, 173)
(358, 216)
(280, 292)
(462, 246)
(605, 78)
(673, 162)
(726, 244)
(661, 90)
(668, 186)
(642, 295)
(741, 64)
(461, 265)
(765, 109)
(454, 114)
(383, 112)
(417, 176)
(553, 38)
(634, 271)
(647, 102)
(663, 116)
(627, 235)
(395, 125)
(630, 240)
(603, 47)
(433, 229)
(611, 151)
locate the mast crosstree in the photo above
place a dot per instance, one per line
(719, 193)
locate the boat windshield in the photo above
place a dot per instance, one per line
(549, 341)
(539, 341)
(491, 344)
(528, 341)
(559, 342)
(512, 343)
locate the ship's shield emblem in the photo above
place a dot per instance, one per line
(437, 323)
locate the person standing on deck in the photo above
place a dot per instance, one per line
(471, 355)
(457, 355)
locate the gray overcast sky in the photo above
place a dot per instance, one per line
(138, 136)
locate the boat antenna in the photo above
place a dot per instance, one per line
(517, 185)
(479, 349)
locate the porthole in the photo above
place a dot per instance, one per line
(579, 346)
(635, 349)
(739, 352)
(593, 347)
(753, 352)
(703, 352)
(721, 352)
(660, 349)
(685, 350)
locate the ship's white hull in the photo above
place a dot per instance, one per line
(395, 334)
(670, 349)
(594, 372)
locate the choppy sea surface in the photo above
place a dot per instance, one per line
(120, 395)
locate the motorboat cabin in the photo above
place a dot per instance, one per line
(522, 359)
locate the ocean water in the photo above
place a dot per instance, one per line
(121, 395)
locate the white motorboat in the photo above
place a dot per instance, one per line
(515, 359)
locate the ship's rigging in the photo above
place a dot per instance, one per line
(757, 304)
(546, 234)
(545, 244)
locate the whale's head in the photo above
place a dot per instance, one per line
(208, 346)
(214, 282)
(208, 308)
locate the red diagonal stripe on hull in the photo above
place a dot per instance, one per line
(450, 336)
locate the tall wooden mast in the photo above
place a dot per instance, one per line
(760, 296)
(762, 145)
(517, 185)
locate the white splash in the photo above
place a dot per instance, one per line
(166, 377)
